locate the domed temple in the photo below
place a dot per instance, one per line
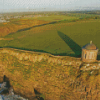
(89, 52)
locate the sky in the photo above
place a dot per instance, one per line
(48, 5)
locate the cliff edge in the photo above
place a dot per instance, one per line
(34, 74)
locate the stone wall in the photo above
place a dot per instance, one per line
(37, 56)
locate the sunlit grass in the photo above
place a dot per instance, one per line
(46, 38)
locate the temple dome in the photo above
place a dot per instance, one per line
(89, 46)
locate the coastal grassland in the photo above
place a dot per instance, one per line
(82, 15)
(17, 24)
(50, 38)
(57, 18)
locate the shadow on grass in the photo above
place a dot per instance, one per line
(98, 57)
(6, 79)
(40, 51)
(74, 46)
(21, 48)
(38, 95)
(25, 29)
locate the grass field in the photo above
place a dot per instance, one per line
(57, 18)
(61, 38)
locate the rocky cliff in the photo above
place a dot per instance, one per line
(34, 74)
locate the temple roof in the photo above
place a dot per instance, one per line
(89, 46)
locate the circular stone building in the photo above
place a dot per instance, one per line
(89, 52)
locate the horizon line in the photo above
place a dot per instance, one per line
(48, 11)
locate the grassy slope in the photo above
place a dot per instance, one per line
(46, 37)
(17, 24)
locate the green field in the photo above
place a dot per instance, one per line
(57, 18)
(65, 37)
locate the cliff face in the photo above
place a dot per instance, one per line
(51, 77)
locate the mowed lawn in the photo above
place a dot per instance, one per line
(57, 39)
